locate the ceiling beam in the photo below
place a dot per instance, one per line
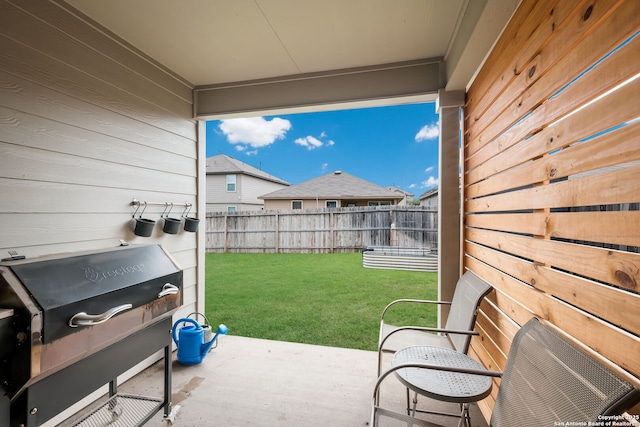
(404, 82)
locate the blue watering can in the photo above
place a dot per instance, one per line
(192, 347)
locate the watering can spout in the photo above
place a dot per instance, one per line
(222, 329)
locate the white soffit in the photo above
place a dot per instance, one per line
(211, 42)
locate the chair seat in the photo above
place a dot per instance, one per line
(407, 338)
(442, 385)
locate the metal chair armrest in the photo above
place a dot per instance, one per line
(418, 301)
(426, 329)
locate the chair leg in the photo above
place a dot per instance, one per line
(411, 408)
(465, 417)
(415, 404)
(408, 403)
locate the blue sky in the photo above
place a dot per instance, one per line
(395, 145)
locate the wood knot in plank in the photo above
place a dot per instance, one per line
(587, 13)
(625, 280)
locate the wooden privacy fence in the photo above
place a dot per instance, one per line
(322, 230)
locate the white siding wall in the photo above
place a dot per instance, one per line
(87, 125)
(218, 198)
(255, 187)
(430, 202)
(245, 198)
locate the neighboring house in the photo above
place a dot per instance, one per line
(235, 186)
(334, 190)
(429, 198)
(407, 197)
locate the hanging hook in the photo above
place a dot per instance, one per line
(136, 203)
(164, 211)
(187, 209)
(143, 209)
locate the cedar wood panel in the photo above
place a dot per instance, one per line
(551, 173)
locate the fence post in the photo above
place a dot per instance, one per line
(331, 232)
(226, 233)
(393, 237)
(277, 234)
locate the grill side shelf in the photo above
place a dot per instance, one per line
(119, 411)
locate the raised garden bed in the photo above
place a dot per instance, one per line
(397, 258)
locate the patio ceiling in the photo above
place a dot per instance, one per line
(219, 42)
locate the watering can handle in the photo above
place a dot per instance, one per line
(175, 327)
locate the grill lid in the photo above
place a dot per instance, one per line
(95, 283)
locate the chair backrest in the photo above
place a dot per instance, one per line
(548, 381)
(469, 292)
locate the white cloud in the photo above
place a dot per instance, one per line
(412, 186)
(324, 166)
(429, 169)
(431, 182)
(254, 131)
(428, 132)
(251, 153)
(310, 142)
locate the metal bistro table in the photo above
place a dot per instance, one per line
(441, 385)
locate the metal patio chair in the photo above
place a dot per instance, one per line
(456, 335)
(547, 381)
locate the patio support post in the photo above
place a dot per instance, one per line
(449, 106)
(201, 207)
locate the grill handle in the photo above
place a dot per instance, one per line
(168, 289)
(84, 319)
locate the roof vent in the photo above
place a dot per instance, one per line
(337, 172)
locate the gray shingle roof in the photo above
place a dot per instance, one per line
(399, 191)
(223, 164)
(428, 193)
(335, 185)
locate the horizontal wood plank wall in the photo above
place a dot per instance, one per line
(86, 125)
(551, 179)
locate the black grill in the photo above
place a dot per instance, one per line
(77, 321)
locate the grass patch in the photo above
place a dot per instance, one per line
(324, 299)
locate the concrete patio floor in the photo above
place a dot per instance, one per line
(254, 382)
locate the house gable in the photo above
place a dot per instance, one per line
(250, 182)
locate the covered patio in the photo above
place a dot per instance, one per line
(102, 103)
(253, 382)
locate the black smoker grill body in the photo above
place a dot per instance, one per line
(72, 323)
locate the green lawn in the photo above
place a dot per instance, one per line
(325, 299)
